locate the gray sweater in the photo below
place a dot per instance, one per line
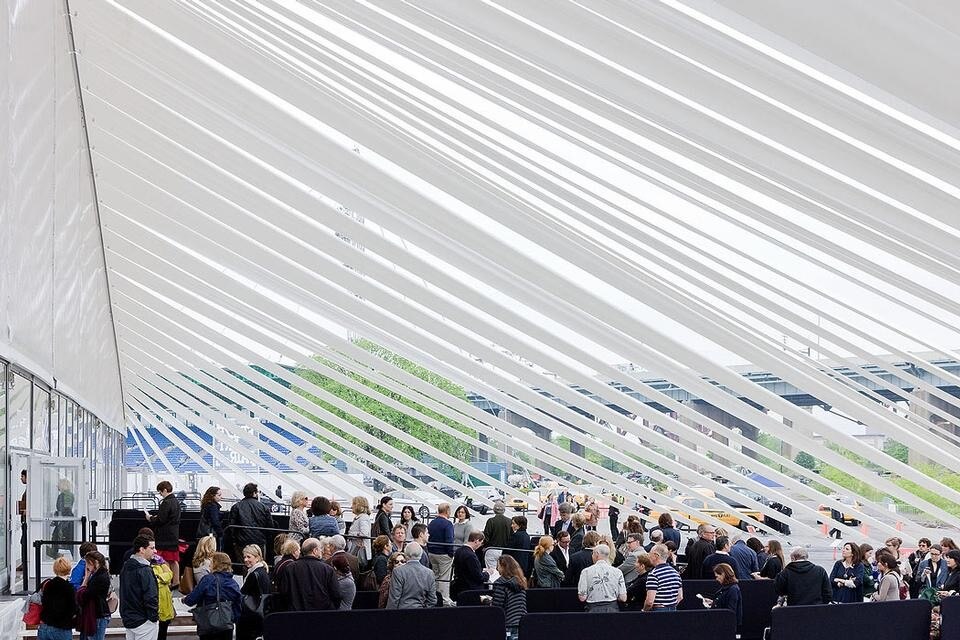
(460, 532)
(889, 587)
(412, 586)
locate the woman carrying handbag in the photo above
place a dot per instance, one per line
(256, 587)
(216, 601)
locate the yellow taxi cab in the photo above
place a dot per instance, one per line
(732, 516)
(849, 519)
(517, 504)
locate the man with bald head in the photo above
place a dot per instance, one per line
(309, 584)
(601, 586)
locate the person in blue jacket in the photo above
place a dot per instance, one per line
(728, 596)
(221, 575)
(847, 575)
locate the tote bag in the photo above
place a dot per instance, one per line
(214, 617)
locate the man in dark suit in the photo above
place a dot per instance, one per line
(561, 551)
(699, 550)
(565, 510)
(467, 573)
(580, 560)
(310, 584)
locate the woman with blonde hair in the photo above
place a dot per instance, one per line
(360, 527)
(545, 569)
(299, 523)
(58, 600)
(206, 547)
(256, 586)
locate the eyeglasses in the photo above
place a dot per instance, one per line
(400, 562)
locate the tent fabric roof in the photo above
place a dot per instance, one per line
(516, 195)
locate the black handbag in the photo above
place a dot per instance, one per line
(214, 617)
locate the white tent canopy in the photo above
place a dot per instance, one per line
(515, 196)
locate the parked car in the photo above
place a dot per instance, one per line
(424, 503)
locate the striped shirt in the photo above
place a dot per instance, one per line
(665, 580)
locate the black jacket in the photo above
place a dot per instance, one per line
(96, 592)
(257, 586)
(139, 594)
(578, 562)
(521, 540)
(558, 526)
(804, 583)
(250, 512)
(213, 516)
(59, 603)
(166, 524)
(559, 558)
(696, 554)
(309, 584)
(382, 525)
(576, 539)
(467, 574)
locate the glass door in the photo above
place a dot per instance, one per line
(21, 558)
(57, 503)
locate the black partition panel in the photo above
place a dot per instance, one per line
(950, 618)
(471, 597)
(897, 620)
(463, 623)
(758, 596)
(715, 624)
(547, 600)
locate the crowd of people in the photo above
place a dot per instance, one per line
(323, 562)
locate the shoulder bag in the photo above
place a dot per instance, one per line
(213, 617)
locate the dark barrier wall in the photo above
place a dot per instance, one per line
(462, 623)
(898, 620)
(471, 598)
(712, 624)
(759, 596)
(950, 618)
(547, 600)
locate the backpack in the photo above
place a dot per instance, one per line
(904, 590)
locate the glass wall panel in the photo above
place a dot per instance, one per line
(41, 419)
(55, 418)
(5, 524)
(18, 407)
(68, 415)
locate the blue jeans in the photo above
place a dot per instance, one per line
(101, 631)
(46, 632)
(670, 608)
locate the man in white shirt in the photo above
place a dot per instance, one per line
(601, 585)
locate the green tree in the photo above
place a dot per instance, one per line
(806, 460)
(896, 450)
(367, 402)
